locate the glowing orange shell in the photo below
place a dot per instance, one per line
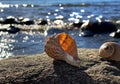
(68, 44)
(62, 47)
(110, 50)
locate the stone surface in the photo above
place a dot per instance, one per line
(115, 34)
(97, 28)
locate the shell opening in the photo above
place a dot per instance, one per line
(68, 44)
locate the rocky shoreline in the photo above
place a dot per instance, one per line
(87, 28)
(41, 69)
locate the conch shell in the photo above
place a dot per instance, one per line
(62, 47)
(110, 51)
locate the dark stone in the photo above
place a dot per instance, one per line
(3, 30)
(115, 34)
(10, 20)
(98, 28)
(27, 21)
(86, 34)
(13, 30)
(19, 20)
(42, 22)
(105, 27)
(78, 25)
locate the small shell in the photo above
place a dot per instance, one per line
(62, 47)
(110, 50)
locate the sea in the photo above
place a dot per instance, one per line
(30, 43)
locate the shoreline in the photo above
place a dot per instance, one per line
(26, 31)
(43, 69)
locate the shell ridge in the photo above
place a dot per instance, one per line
(62, 47)
(111, 52)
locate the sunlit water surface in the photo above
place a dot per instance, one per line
(30, 43)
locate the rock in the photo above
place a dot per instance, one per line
(78, 25)
(13, 30)
(42, 22)
(3, 30)
(97, 28)
(115, 34)
(106, 27)
(20, 18)
(10, 20)
(27, 21)
(59, 23)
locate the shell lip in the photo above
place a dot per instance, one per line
(62, 47)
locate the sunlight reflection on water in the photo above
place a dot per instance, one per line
(24, 43)
(30, 43)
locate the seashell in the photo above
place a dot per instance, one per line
(110, 51)
(62, 47)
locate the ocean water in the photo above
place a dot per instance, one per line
(29, 43)
(34, 9)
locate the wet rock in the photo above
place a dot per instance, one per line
(115, 34)
(10, 20)
(42, 22)
(98, 27)
(86, 34)
(10, 29)
(27, 21)
(78, 25)
(20, 19)
(59, 23)
(13, 30)
(3, 30)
